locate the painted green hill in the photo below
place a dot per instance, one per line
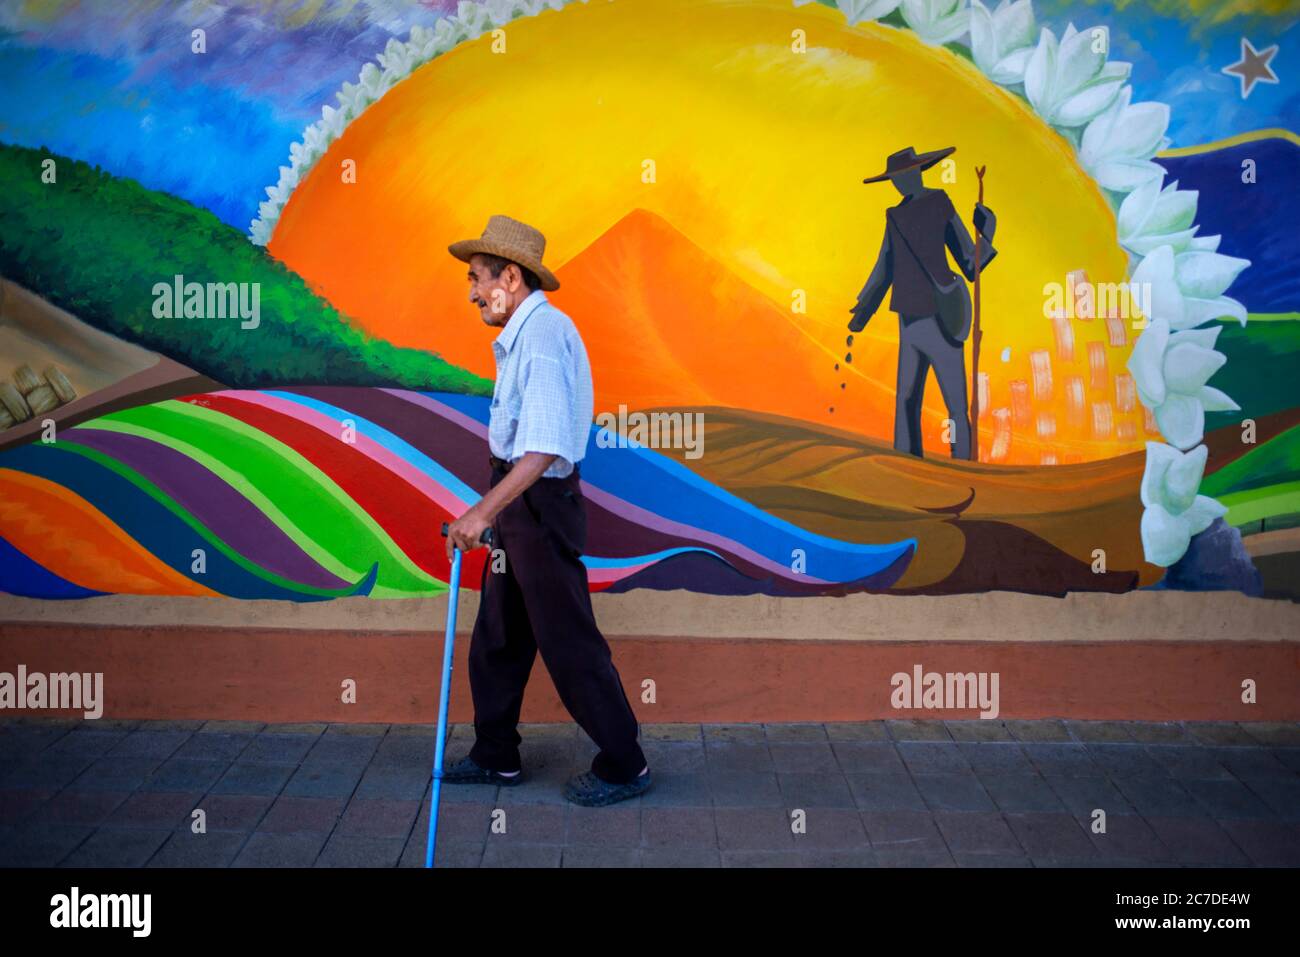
(96, 245)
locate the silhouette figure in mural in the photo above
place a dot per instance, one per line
(932, 302)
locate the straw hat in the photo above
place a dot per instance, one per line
(513, 240)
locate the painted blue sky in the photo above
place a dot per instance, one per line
(113, 82)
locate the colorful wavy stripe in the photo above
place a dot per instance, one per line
(318, 492)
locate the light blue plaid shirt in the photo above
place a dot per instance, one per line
(543, 399)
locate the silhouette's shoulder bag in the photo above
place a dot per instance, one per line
(952, 299)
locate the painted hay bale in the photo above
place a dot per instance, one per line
(42, 399)
(6, 419)
(60, 384)
(14, 402)
(25, 379)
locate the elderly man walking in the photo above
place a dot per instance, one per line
(541, 417)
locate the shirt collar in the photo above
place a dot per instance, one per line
(507, 337)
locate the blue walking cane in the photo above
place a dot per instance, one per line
(447, 646)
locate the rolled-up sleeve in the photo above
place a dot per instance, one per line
(545, 410)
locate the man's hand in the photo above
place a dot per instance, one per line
(985, 222)
(464, 533)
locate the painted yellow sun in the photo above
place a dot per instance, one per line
(697, 167)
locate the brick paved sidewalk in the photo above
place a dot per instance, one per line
(894, 793)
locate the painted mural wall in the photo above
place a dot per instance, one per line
(238, 359)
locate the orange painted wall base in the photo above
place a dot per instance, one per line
(284, 675)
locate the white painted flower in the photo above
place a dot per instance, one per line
(1117, 146)
(859, 11)
(1171, 477)
(1070, 83)
(937, 21)
(1151, 217)
(473, 16)
(1186, 289)
(1170, 370)
(1002, 41)
(1165, 536)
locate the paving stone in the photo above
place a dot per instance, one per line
(343, 749)
(1048, 730)
(830, 829)
(903, 857)
(1099, 730)
(280, 850)
(345, 851)
(299, 815)
(1197, 841)
(744, 789)
(671, 732)
(1228, 799)
(78, 807)
(247, 778)
(753, 828)
(398, 783)
(911, 729)
(1219, 733)
(1267, 843)
(186, 849)
(1249, 763)
(857, 731)
(150, 744)
(601, 857)
(1017, 791)
(40, 845)
(610, 827)
(903, 831)
(1282, 795)
(542, 784)
(324, 780)
(232, 812)
(675, 756)
(115, 774)
(979, 729)
(787, 733)
(163, 810)
(1158, 732)
(20, 804)
(313, 728)
(734, 733)
(521, 855)
(213, 746)
(680, 857)
(87, 743)
(868, 757)
(885, 792)
(862, 857)
(1274, 733)
(677, 790)
(953, 792)
(1051, 836)
(231, 727)
(727, 755)
(46, 771)
(685, 826)
(175, 724)
(1289, 757)
(380, 818)
(990, 860)
(1128, 837)
(1166, 797)
(277, 748)
(529, 824)
(1127, 760)
(555, 730)
(118, 847)
(977, 832)
(1062, 758)
(932, 757)
(1083, 795)
(766, 859)
(998, 757)
(457, 824)
(448, 855)
(366, 730)
(815, 790)
(415, 730)
(1194, 762)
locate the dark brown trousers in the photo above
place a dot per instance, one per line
(541, 602)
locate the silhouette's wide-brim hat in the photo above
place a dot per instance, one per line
(513, 240)
(909, 158)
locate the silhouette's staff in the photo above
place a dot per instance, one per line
(932, 302)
